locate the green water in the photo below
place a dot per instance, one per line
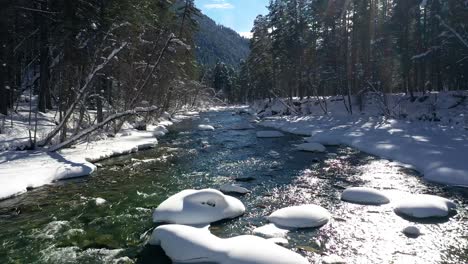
(61, 223)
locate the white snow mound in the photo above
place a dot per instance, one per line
(425, 206)
(195, 207)
(206, 128)
(269, 134)
(200, 246)
(311, 147)
(303, 216)
(364, 195)
(233, 188)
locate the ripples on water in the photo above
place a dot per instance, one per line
(63, 224)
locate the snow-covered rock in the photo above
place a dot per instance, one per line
(233, 188)
(161, 128)
(271, 231)
(100, 201)
(311, 147)
(364, 195)
(200, 246)
(425, 206)
(205, 128)
(194, 207)
(411, 231)
(269, 134)
(302, 216)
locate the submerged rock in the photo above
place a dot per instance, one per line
(233, 188)
(269, 134)
(271, 231)
(194, 207)
(411, 231)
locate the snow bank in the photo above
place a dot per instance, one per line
(303, 216)
(200, 246)
(364, 195)
(195, 207)
(425, 206)
(311, 147)
(269, 134)
(21, 170)
(438, 152)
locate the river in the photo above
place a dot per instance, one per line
(61, 223)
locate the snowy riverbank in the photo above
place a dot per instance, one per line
(436, 149)
(22, 170)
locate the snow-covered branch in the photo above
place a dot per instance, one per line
(136, 111)
(81, 93)
(454, 32)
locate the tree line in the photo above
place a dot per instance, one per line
(307, 48)
(107, 57)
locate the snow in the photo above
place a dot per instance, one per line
(233, 188)
(200, 246)
(269, 134)
(100, 201)
(195, 207)
(311, 147)
(437, 152)
(205, 128)
(425, 206)
(303, 216)
(271, 231)
(21, 170)
(364, 195)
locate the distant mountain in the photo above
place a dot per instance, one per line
(218, 43)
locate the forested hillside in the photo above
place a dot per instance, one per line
(310, 48)
(216, 43)
(113, 57)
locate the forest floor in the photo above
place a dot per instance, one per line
(429, 134)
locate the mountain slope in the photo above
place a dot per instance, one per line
(218, 43)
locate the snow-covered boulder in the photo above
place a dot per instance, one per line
(425, 206)
(233, 188)
(200, 246)
(206, 128)
(311, 147)
(302, 216)
(195, 207)
(364, 195)
(269, 134)
(271, 231)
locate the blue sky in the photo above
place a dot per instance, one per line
(236, 14)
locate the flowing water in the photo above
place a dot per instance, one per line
(61, 223)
